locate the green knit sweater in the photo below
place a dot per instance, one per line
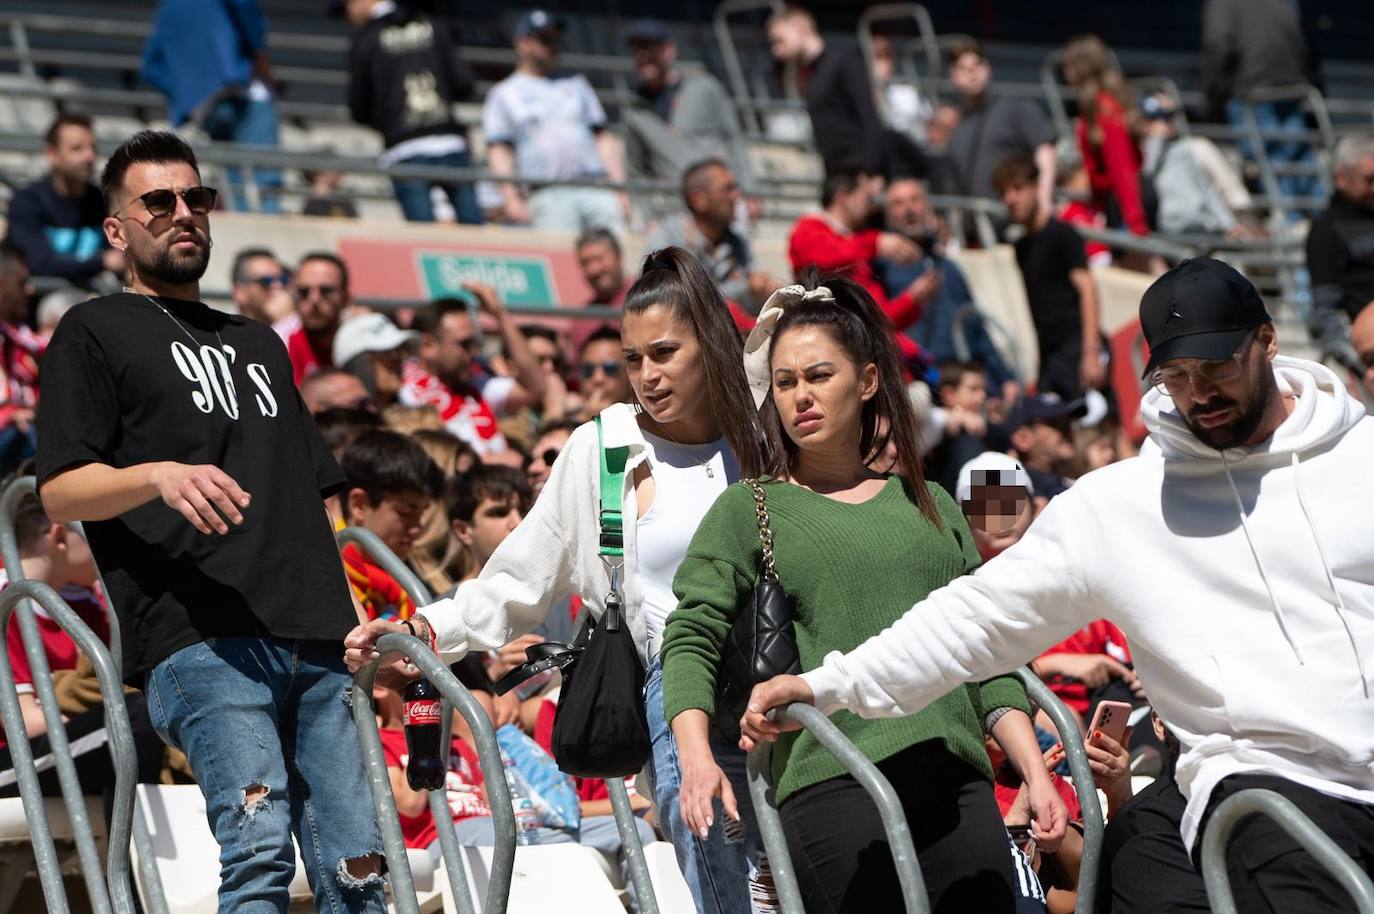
(852, 570)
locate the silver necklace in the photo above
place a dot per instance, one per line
(172, 317)
(704, 464)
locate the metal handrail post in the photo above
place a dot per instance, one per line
(488, 752)
(1082, 784)
(720, 25)
(1298, 826)
(633, 849)
(121, 740)
(960, 333)
(37, 656)
(419, 594)
(869, 777)
(370, 543)
(925, 34)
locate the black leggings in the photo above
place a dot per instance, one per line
(841, 853)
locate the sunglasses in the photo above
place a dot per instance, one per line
(322, 291)
(268, 282)
(549, 455)
(471, 344)
(163, 202)
(611, 368)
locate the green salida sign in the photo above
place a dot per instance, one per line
(518, 279)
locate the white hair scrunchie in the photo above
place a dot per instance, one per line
(759, 344)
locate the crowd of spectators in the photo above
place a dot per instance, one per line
(448, 418)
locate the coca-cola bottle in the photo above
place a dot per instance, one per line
(423, 719)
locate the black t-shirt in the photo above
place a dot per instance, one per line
(1045, 258)
(125, 384)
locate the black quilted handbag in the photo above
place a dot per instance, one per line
(762, 642)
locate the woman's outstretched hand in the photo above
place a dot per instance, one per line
(755, 726)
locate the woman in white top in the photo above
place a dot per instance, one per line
(692, 432)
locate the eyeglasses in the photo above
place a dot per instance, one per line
(471, 344)
(548, 456)
(268, 282)
(1180, 381)
(322, 291)
(163, 202)
(611, 369)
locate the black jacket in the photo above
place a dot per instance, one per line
(844, 120)
(1340, 257)
(404, 77)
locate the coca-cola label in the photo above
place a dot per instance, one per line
(422, 711)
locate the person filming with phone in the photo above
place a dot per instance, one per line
(1235, 553)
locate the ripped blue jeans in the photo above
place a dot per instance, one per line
(718, 869)
(269, 733)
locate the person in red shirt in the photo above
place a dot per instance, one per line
(53, 555)
(320, 290)
(838, 239)
(20, 350)
(1106, 129)
(1085, 662)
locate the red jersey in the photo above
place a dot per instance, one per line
(1078, 213)
(20, 350)
(1114, 164)
(1100, 637)
(469, 417)
(306, 358)
(1007, 784)
(381, 596)
(462, 786)
(817, 242)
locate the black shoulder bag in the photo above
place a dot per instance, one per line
(600, 730)
(762, 642)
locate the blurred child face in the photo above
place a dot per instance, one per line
(998, 516)
(492, 522)
(1020, 201)
(970, 75)
(397, 520)
(1100, 452)
(970, 394)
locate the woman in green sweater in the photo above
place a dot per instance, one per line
(855, 549)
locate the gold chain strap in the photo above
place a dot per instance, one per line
(765, 529)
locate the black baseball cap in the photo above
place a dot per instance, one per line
(1201, 309)
(647, 31)
(537, 22)
(1046, 407)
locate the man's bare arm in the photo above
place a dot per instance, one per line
(205, 495)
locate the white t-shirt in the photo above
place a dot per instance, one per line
(550, 122)
(687, 479)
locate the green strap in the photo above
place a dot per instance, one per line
(612, 519)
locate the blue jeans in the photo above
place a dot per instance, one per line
(264, 712)
(413, 193)
(237, 119)
(1286, 115)
(717, 869)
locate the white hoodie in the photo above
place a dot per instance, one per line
(1244, 580)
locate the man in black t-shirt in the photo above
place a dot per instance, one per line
(174, 432)
(1059, 288)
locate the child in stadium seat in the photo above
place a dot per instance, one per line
(53, 555)
(391, 483)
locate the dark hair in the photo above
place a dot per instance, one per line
(856, 324)
(428, 318)
(241, 261)
(965, 44)
(1017, 168)
(531, 331)
(66, 119)
(328, 257)
(30, 520)
(674, 279)
(604, 332)
(382, 462)
(839, 181)
(339, 425)
(556, 425)
(11, 254)
(952, 372)
(500, 484)
(694, 174)
(158, 146)
(597, 235)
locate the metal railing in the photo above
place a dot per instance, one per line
(631, 847)
(890, 808)
(1083, 786)
(725, 39)
(867, 774)
(925, 37)
(1300, 828)
(111, 890)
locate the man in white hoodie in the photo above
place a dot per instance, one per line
(1236, 553)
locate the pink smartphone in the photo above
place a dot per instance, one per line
(1110, 717)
